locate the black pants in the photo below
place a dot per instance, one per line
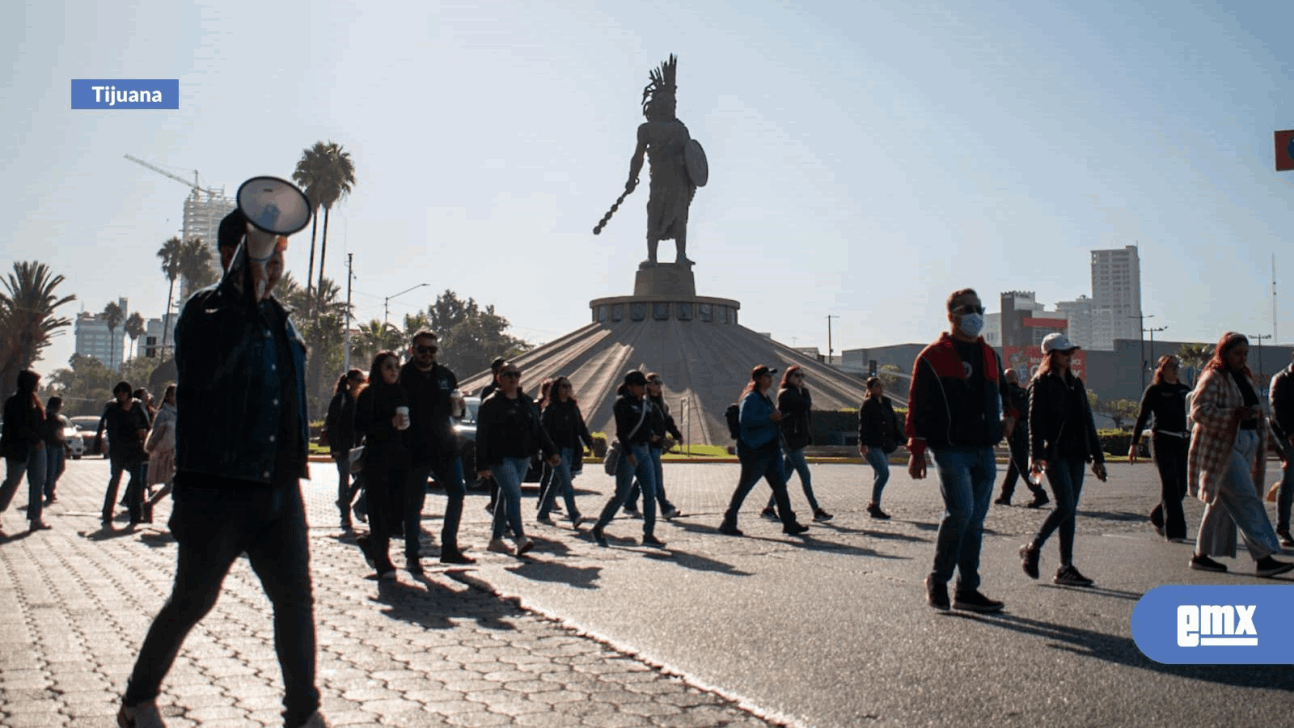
(134, 488)
(385, 482)
(1170, 458)
(1019, 447)
(756, 463)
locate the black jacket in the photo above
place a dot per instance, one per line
(22, 426)
(1282, 402)
(1055, 405)
(374, 410)
(123, 427)
(662, 423)
(565, 425)
(509, 428)
(340, 423)
(878, 426)
(431, 437)
(628, 411)
(795, 405)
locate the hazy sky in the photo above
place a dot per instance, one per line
(865, 158)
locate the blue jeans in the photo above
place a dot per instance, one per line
(795, 461)
(34, 468)
(631, 500)
(561, 482)
(645, 471)
(1238, 499)
(880, 462)
(54, 466)
(966, 477)
(134, 488)
(756, 463)
(449, 474)
(1065, 474)
(508, 475)
(212, 529)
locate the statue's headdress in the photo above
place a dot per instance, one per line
(662, 84)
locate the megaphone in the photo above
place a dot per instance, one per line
(274, 208)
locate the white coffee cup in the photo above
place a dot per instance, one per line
(403, 414)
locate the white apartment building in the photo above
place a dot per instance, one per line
(1116, 296)
(94, 339)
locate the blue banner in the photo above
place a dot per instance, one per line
(1216, 625)
(126, 93)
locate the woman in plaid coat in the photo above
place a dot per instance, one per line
(1227, 457)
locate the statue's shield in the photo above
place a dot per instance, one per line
(698, 170)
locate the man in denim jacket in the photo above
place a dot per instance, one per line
(241, 437)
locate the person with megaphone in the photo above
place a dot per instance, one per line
(241, 439)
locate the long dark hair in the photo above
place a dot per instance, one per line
(555, 384)
(786, 376)
(1164, 361)
(375, 372)
(1229, 341)
(1049, 363)
(28, 380)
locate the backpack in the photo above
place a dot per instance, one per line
(733, 416)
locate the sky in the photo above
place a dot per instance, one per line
(865, 158)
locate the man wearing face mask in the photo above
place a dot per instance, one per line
(959, 408)
(241, 436)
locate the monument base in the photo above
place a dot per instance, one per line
(664, 279)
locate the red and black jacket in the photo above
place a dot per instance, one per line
(943, 411)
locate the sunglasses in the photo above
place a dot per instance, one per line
(509, 375)
(969, 309)
(426, 349)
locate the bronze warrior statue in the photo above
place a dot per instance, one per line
(678, 165)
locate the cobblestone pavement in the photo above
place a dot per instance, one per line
(443, 649)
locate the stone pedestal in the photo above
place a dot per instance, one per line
(665, 279)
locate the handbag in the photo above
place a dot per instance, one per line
(356, 458)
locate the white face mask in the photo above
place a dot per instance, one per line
(971, 324)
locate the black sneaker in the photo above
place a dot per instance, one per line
(770, 513)
(821, 515)
(730, 529)
(598, 536)
(937, 594)
(976, 602)
(1266, 567)
(1200, 562)
(1039, 500)
(1029, 558)
(877, 513)
(795, 529)
(413, 565)
(1070, 576)
(631, 511)
(365, 545)
(455, 557)
(650, 540)
(1003, 501)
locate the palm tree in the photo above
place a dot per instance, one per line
(1194, 357)
(310, 172)
(376, 336)
(27, 320)
(169, 253)
(112, 316)
(195, 263)
(135, 327)
(335, 185)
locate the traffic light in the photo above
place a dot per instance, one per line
(871, 367)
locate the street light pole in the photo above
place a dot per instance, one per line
(386, 303)
(1260, 338)
(1152, 361)
(829, 317)
(1141, 334)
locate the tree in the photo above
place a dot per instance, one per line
(335, 184)
(169, 254)
(112, 316)
(195, 264)
(310, 173)
(1120, 410)
(1193, 357)
(27, 320)
(135, 327)
(889, 375)
(375, 336)
(85, 386)
(470, 337)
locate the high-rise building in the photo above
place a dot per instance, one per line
(94, 339)
(150, 343)
(202, 216)
(1116, 296)
(1079, 315)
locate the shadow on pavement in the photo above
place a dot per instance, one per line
(435, 606)
(106, 532)
(879, 535)
(1099, 591)
(558, 573)
(702, 563)
(1123, 651)
(1123, 516)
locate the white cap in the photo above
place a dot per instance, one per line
(1057, 342)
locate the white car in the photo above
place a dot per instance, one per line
(73, 442)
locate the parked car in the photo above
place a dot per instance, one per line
(73, 442)
(87, 424)
(465, 428)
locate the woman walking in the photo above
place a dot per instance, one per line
(1227, 461)
(508, 432)
(1062, 438)
(564, 424)
(879, 434)
(760, 454)
(55, 446)
(633, 435)
(794, 403)
(160, 446)
(339, 426)
(24, 449)
(1165, 398)
(381, 416)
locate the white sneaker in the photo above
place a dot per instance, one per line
(498, 546)
(144, 715)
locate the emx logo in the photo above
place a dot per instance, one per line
(1211, 625)
(1216, 625)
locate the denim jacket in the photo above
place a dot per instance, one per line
(229, 394)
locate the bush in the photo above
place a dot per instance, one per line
(1117, 442)
(599, 444)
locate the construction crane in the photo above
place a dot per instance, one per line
(194, 185)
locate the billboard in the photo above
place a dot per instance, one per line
(1025, 360)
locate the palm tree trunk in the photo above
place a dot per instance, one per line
(314, 225)
(323, 250)
(166, 322)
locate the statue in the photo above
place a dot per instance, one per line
(678, 166)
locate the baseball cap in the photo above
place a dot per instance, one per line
(1057, 342)
(760, 371)
(636, 377)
